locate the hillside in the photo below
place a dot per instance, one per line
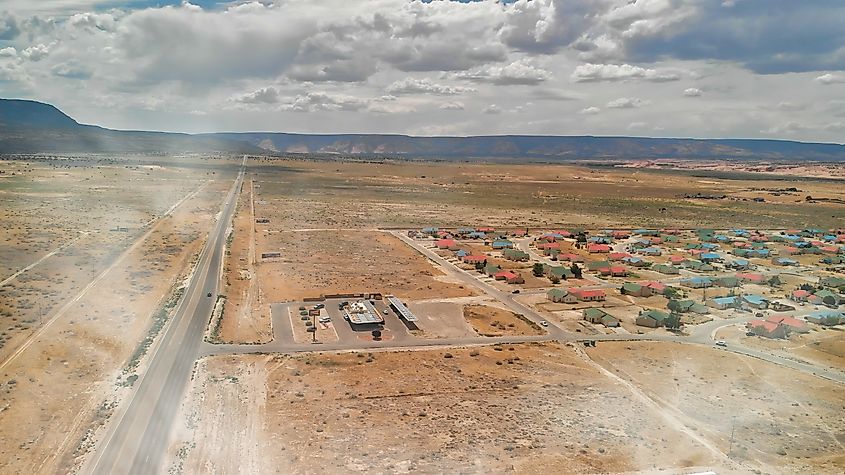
(32, 127)
(35, 127)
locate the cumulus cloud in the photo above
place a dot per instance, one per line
(590, 110)
(829, 78)
(626, 103)
(519, 72)
(692, 92)
(8, 52)
(425, 86)
(619, 72)
(36, 52)
(452, 106)
(265, 95)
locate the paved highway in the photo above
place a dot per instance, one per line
(136, 441)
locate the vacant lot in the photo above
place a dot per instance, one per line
(492, 321)
(783, 421)
(334, 194)
(524, 408)
(328, 262)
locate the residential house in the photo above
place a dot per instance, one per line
(697, 282)
(515, 255)
(825, 297)
(560, 272)
(598, 248)
(755, 301)
(561, 296)
(475, 259)
(727, 282)
(588, 295)
(826, 317)
(784, 261)
(793, 325)
(597, 315)
(800, 295)
(666, 269)
(502, 244)
(636, 290)
(766, 329)
(657, 288)
(509, 277)
(446, 244)
(652, 318)
(723, 303)
(686, 306)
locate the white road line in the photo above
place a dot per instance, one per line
(44, 258)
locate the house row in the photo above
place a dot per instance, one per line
(576, 295)
(777, 327)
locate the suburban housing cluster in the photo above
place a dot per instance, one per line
(641, 279)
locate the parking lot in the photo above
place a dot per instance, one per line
(288, 315)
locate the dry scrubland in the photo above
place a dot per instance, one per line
(523, 408)
(327, 262)
(492, 321)
(329, 194)
(244, 318)
(785, 421)
(58, 391)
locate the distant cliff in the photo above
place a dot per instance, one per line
(28, 126)
(539, 147)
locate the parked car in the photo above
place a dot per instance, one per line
(325, 319)
(319, 306)
(515, 291)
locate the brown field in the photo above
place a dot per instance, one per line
(526, 409)
(245, 320)
(334, 194)
(492, 321)
(329, 262)
(783, 421)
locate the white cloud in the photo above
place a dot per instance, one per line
(452, 106)
(425, 86)
(515, 73)
(829, 78)
(492, 109)
(626, 103)
(265, 95)
(692, 92)
(8, 52)
(620, 72)
(36, 52)
(590, 110)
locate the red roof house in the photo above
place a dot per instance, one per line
(446, 244)
(588, 295)
(596, 248)
(475, 258)
(508, 277)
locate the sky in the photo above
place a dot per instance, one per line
(668, 68)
